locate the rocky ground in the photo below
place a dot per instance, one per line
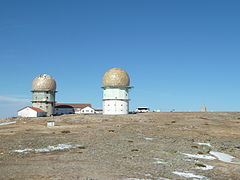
(128, 147)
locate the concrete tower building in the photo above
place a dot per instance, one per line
(204, 108)
(43, 93)
(115, 91)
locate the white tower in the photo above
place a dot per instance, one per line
(43, 93)
(204, 108)
(115, 91)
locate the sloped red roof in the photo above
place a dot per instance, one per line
(81, 106)
(33, 108)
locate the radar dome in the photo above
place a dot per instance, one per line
(116, 77)
(44, 82)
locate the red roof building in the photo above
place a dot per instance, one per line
(70, 108)
(81, 106)
(30, 111)
(33, 108)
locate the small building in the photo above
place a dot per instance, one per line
(30, 111)
(68, 108)
(98, 111)
(88, 110)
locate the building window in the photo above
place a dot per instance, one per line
(121, 104)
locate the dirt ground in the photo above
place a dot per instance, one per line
(128, 147)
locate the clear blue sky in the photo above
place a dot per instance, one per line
(179, 54)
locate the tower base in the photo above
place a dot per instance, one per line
(115, 107)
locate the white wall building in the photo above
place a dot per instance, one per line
(87, 110)
(31, 112)
(115, 92)
(98, 111)
(68, 108)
